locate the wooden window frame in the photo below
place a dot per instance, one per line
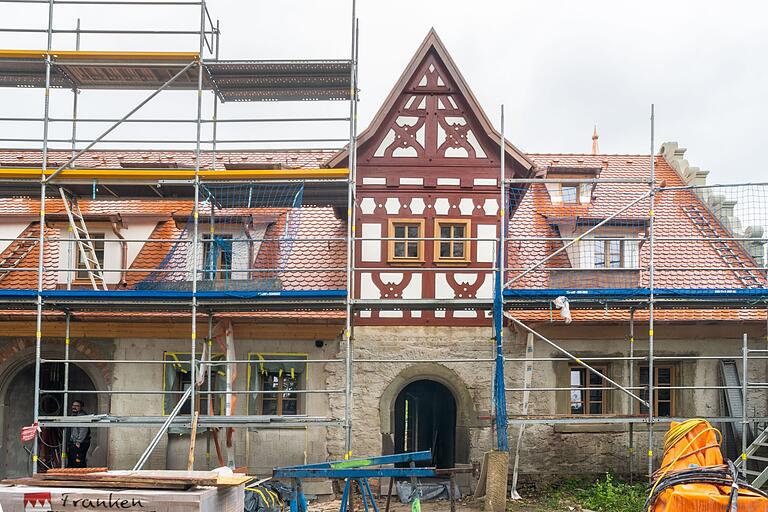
(607, 251)
(78, 256)
(392, 223)
(605, 401)
(673, 376)
(439, 240)
(301, 382)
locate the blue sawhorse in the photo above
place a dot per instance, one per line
(353, 470)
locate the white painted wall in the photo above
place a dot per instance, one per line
(11, 229)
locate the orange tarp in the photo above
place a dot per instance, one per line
(701, 451)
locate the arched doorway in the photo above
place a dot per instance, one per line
(18, 413)
(425, 419)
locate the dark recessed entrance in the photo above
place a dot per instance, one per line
(425, 419)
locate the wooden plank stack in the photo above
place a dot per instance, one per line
(101, 478)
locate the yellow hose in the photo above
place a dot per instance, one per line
(676, 434)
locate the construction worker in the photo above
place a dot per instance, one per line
(79, 440)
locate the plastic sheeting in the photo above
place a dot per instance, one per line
(429, 491)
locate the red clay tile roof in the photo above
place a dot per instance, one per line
(534, 218)
(113, 159)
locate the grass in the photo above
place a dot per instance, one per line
(606, 494)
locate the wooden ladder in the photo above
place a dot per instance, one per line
(84, 242)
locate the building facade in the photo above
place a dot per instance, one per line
(428, 198)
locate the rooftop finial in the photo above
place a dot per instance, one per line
(595, 148)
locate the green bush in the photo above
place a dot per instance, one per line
(609, 495)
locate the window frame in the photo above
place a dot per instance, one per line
(673, 377)
(467, 224)
(586, 401)
(77, 256)
(220, 397)
(220, 274)
(606, 243)
(254, 359)
(392, 224)
(576, 186)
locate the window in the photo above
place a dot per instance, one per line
(584, 399)
(663, 399)
(609, 253)
(450, 247)
(217, 257)
(407, 244)
(98, 248)
(178, 378)
(569, 193)
(280, 376)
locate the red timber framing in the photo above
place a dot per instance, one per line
(430, 156)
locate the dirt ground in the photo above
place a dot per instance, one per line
(396, 506)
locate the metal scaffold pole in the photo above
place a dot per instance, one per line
(744, 393)
(499, 387)
(41, 240)
(351, 219)
(631, 405)
(196, 222)
(651, 375)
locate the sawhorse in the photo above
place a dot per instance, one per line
(353, 470)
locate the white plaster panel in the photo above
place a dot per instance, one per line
(461, 313)
(371, 249)
(449, 181)
(411, 181)
(390, 314)
(392, 205)
(366, 313)
(367, 205)
(442, 289)
(413, 290)
(486, 289)
(368, 290)
(555, 194)
(415, 313)
(440, 314)
(486, 250)
(417, 206)
(11, 230)
(374, 181)
(491, 206)
(485, 182)
(442, 206)
(466, 205)
(138, 231)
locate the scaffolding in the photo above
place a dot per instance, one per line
(536, 283)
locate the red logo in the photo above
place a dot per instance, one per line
(37, 502)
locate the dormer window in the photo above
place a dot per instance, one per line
(570, 191)
(609, 252)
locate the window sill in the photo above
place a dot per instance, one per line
(405, 262)
(449, 263)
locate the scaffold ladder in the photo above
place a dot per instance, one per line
(759, 476)
(84, 242)
(733, 260)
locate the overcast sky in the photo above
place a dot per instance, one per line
(559, 67)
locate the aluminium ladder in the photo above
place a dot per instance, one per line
(84, 241)
(757, 477)
(733, 260)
